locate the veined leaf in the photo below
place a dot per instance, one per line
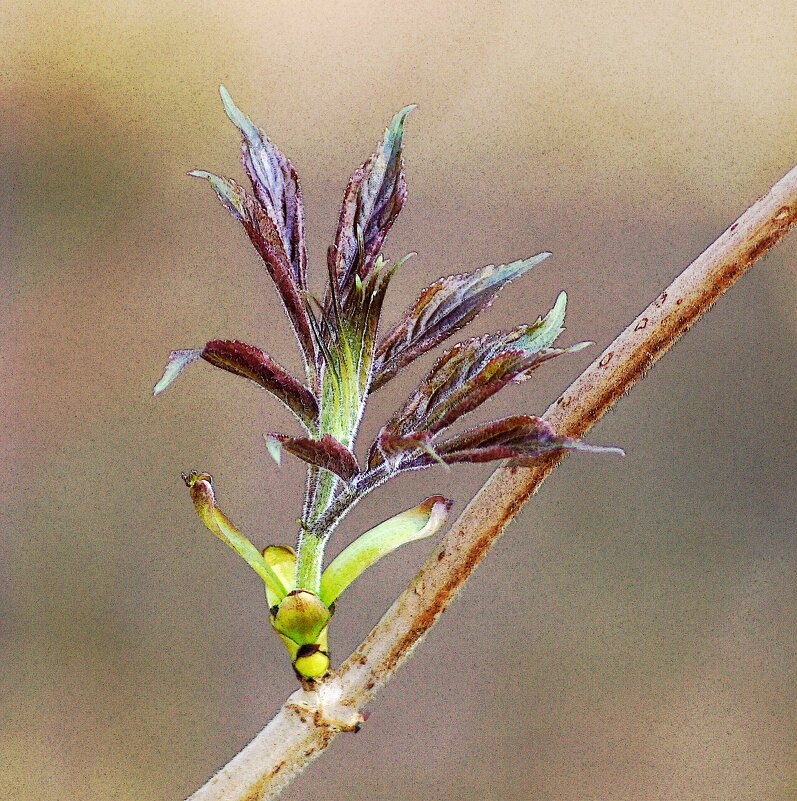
(372, 201)
(442, 309)
(326, 452)
(205, 504)
(522, 438)
(414, 524)
(252, 363)
(349, 353)
(276, 186)
(471, 372)
(265, 236)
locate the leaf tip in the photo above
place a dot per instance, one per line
(229, 104)
(274, 447)
(190, 479)
(580, 346)
(436, 504)
(395, 130)
(553, 323)
(178, 361)
(236, 116)
(200, 486)
(608, 450)
(400, 116)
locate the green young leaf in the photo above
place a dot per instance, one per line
(414, 524)
(348, 342)
(282, 560)
(205, 504)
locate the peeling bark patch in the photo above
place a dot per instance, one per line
(302, 712)
(605, 360)
(641, 325)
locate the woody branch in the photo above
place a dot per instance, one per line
(312, 717)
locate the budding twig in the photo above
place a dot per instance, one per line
(312, 717)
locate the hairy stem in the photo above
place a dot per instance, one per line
(311, 718)
(348, 499)
(312, 543)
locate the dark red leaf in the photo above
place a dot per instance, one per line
(276, 186)
(471, 372)
(521, 438)
(252, 363)
(326, 452)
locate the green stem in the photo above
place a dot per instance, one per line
(310, 549)
(310, 563)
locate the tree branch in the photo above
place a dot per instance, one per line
(312, 717)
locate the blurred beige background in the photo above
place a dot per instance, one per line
(633, 635)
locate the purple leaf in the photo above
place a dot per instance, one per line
(442, 309)
(265, 236)
(372, 201)
(276, 186)
(471, 372)
(248, 362)
(521, 438)
(252, 363)
(462, 379)
(326, 452)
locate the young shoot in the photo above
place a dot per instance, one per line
(346, 360)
